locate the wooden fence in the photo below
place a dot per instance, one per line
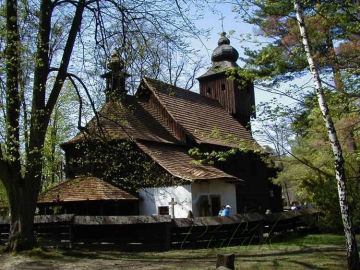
(160, 232)
(279, 222)
(216, 231)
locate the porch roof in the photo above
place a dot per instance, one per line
(83, 189)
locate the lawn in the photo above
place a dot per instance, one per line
(314, 251)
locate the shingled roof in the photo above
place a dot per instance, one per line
(84, 189)
(147, 122)
(176, 161)
(198, 115)
(131, 119)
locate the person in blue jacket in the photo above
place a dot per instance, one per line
(226, 211)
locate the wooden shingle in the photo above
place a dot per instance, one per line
(198, 115)
(130, 119)
(84, 189)
(176, 161)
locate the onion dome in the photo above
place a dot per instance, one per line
(224, 51)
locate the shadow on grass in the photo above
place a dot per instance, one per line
(297, 251)
(308, 265)
(293, 252)
(310, 258)
(91, 255)
(283, 263)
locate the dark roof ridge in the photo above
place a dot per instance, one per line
(189, 91)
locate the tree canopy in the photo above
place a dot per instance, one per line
(46, 43)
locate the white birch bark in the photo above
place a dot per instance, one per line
(352, 253)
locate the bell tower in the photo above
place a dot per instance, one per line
(115, 78)
(236, 95)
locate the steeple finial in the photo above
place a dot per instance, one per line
(115, 78)
(224, 51)
(114, 63)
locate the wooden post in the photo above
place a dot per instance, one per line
(102, 208)
(71, 232)
(71, 235)
(225, 260)
(167, 238)
(261, 233)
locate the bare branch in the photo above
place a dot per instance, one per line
(62, 73)
(88, 95)
(350, 95)
(80, 101)
(302, 161)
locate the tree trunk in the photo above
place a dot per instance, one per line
(12, 57)
(23, 190)
(22, 208)
(352, 253)
(21, 235)
(53, 139)
(287, 194)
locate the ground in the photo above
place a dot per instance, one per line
(314, 251)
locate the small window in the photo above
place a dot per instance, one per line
(163, 210)
(223, 87)
(208, 91)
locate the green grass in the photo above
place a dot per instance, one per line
(313, 251)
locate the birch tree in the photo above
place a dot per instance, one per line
(352, 252)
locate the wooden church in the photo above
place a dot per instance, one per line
(141, 144)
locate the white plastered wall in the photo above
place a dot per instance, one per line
(152, 198)
(226, 190)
